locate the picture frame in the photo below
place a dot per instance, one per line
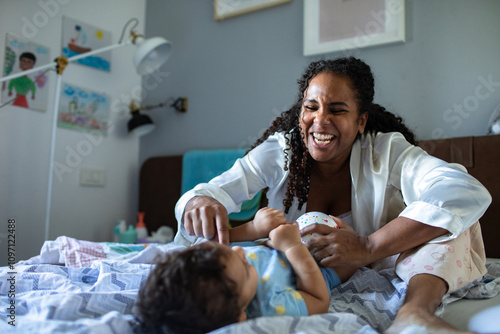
(347, 25)
(224, 9)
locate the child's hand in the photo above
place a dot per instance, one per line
(284, 237)
(267, 219)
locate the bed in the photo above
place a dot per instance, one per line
(78, 286)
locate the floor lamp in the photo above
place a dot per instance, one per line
(149, 56)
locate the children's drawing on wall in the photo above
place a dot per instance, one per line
(79, 37)
(27, 91)
(83, 109)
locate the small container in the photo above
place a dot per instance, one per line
(129, 236)
(140, 228)
(116, 234)
(120, 226)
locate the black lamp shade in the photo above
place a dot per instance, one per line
(140, 123)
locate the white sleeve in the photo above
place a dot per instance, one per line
(438, 193)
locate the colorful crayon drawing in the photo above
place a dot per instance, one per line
(27, 91)
(83, 109)
(79, 37)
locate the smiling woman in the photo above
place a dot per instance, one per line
(337, 152)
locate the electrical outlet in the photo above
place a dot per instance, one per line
(92, 177)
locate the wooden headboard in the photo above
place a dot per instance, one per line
(160, 182)
(159, 190)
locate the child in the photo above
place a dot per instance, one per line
(209, 285)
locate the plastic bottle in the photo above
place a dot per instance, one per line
(116, 234)
(129, 236)
(140, 228)
(120, 226)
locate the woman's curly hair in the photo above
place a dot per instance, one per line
(297, 158)
(188, 292)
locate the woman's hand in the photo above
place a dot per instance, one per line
(340, 246)
(206, 217)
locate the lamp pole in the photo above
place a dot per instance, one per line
(60, 68)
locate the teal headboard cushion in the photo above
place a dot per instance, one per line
(200, 166)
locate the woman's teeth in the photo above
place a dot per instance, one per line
(322, 139)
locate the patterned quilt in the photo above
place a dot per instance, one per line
(76, 286)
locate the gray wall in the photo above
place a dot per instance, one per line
(241, 72)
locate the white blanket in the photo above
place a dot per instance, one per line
(100, 298)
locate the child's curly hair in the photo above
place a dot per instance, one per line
(188, 292)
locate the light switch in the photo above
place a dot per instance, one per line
(92, 177)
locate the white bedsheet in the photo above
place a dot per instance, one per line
(100, 298)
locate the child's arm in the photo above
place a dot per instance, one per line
(265, 220)
(310, 281)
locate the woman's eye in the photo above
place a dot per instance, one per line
(337, 111)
